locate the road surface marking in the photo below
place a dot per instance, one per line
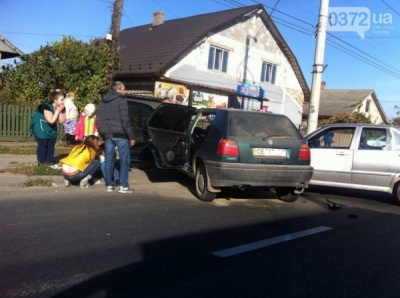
(268, 242)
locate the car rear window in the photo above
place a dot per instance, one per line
(262, 125)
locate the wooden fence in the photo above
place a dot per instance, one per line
(14, 123)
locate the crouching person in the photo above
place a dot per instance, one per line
(82, 162)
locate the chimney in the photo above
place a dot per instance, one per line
(323, 84)
(158, 18)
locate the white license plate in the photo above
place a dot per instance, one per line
(270, 152)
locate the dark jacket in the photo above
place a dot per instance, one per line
(113, 117)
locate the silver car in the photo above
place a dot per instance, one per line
(357, 156)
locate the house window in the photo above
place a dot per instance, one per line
(217, 59)
(367, 106)
(268, 72)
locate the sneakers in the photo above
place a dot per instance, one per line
(84, 183)
(125, 189)
(55, 167)
(67, 183)
(109, 188)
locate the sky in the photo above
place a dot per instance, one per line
(362, 50)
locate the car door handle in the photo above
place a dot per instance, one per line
(341, 153)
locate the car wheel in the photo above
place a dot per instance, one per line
(396, 191)
(201, 185)
(287, 194)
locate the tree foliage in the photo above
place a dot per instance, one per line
(396, 121)
(69, 65)
(355, 117)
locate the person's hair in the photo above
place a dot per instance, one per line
(102, 149)
(117, 85)
(53, 95)
(70, 94)
(179, 98)
(93, 142)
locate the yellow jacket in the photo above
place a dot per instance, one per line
(80, 157)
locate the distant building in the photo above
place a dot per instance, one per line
(233, 58)
(8, 50)
(339, 101)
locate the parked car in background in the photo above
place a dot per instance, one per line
(222, 148)
(360, 156)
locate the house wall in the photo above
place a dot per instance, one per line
(233, 39)
(265, 49)
(373, 113)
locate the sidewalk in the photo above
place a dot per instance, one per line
(8, 179)
(150, 181)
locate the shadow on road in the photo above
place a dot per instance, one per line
(185, 266)
(361, 194)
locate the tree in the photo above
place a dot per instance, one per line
(355, 117)
(396, 121)
(69, 65)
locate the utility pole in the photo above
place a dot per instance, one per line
(116, 20)
(114, 30)
(318, 67)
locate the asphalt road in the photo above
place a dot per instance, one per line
(163, 242)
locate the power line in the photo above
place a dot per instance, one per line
(360, 50)
(45, 34)
(236, 3)
(384, 67)
(363, 59)
(391, 7)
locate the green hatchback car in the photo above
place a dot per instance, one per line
(222, 148)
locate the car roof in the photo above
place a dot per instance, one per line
(152, 102)
(231, 111)
(357, 125)
(347, 125)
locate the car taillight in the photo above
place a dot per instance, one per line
(228, 147)
(304, 152)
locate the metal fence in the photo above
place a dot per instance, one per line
(14, 123)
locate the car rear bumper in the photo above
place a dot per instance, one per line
(224, 174)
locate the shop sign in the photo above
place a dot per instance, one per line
(209, 100)
(164, 90)
(250, 90)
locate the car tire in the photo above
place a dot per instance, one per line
(286, 194)
(396, 192)
(201, 185)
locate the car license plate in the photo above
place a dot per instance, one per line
(270, 152)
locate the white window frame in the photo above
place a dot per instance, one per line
(268, 72)
(218, 59)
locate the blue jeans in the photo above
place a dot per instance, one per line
(124, 160)
(91, 169)
(45, 150)
(103, 171)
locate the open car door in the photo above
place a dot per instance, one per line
(165, 134)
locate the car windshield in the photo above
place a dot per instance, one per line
(262, 125)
